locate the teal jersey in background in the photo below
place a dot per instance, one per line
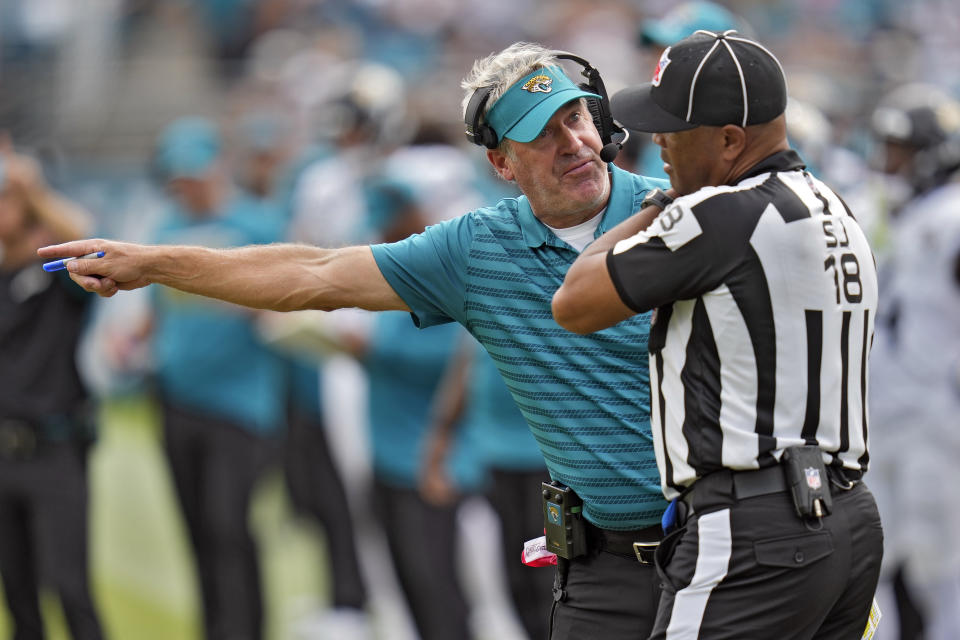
(404, 368)
(208, 354)
(586, 398)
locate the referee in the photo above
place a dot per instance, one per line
(765, 294)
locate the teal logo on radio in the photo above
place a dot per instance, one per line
(553, 513)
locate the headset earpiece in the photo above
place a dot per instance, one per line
(483, 134)
(479, 132)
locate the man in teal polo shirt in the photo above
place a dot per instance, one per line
(494, 270)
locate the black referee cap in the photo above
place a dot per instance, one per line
(708, 78)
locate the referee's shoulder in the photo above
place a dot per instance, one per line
(721, 196)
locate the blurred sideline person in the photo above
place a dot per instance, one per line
(909, 126)
(404, 368)
(811, 133)
(260, 146)
(358, 119)
(260, 158)
(494, 270)
(46, 417)
(656, 34)
(765, 293)
(473, 398)
(684, 18)
(348, 111)
(221, 389)
(916, 361)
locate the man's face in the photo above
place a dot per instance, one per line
(13, 215)
(197, 196)
(691, 158)
(560, 170)
(898, 158)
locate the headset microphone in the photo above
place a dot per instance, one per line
(611, 133)
(609, 151)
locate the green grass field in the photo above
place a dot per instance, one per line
(142, 572)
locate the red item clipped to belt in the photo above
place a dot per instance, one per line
(535, 553)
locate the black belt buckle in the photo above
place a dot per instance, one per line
(645, 551)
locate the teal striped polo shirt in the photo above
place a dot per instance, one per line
(586, 398)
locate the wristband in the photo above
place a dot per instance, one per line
(657, 198)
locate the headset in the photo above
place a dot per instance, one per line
(480, 133)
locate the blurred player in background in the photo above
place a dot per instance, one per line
(261, 158)
(46, 419)
(474, 398)
(404, 369)
(222, 390)
(656, 34)
(915, 383)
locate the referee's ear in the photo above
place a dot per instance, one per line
(734, 141)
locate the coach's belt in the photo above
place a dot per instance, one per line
(638, 543)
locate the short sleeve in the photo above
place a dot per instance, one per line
(428, 270)
(681, 255)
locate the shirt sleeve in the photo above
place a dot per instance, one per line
(681, 255)
(428, 270)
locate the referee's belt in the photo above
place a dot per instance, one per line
(637, 543)
(721, 488)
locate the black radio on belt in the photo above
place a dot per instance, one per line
(563, 521)
(807, 477)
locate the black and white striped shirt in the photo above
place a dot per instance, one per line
(766, 294)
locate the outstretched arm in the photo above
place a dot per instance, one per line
(587, 301)
(282, 277)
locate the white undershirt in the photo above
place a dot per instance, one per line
(581, 235)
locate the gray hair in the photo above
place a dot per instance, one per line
(501, 70)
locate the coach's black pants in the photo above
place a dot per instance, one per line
(607, 595)
(215, 466)
(752, 569)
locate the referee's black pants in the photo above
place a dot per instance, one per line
(753, 570)
(215, 465)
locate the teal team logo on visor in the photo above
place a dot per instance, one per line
(524, 109)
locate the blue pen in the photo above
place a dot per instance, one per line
(57, 265)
